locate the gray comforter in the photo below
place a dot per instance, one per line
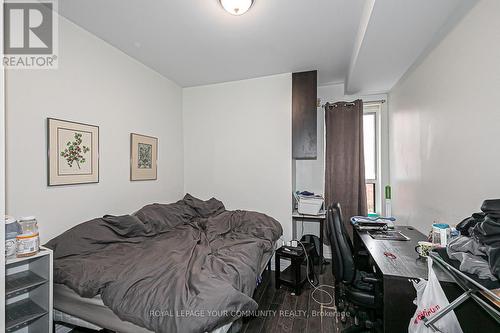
(190, 266)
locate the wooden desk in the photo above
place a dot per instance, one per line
(407, 264)
(398, 291)
(296, 216)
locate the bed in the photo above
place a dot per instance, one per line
(91, 313)
(189, 266)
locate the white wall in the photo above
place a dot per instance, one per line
(95, 84)
(445, 120)
(237, 145)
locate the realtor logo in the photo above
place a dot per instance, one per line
(30, 34)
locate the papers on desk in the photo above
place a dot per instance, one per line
(388, 235)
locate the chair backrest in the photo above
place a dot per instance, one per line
(337, 263)
(343, 262)
(343, 226)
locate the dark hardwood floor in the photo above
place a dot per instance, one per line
(280, 311)
(290, 313)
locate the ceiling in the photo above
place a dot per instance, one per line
(368, 44)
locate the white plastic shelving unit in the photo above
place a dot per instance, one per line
(28, 293)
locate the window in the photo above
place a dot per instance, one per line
(371, 150)
(371, 197)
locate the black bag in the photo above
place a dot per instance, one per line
(312, 239)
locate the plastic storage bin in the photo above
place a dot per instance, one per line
(310, 205)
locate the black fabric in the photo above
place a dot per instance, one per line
(360, 284)
(488, 233)
(314, 240)
(491, 208)
(467, 224)
(361, 297)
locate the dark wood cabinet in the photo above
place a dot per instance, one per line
(304, 115)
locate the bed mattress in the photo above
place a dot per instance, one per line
(94, 314)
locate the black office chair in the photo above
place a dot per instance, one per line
(353, 287)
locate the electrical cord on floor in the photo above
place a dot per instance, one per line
(317, 288)
(320, 287)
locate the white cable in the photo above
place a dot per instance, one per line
(320, 288)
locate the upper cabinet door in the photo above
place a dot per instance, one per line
(304, 115)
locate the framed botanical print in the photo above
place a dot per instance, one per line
(143, 157)
(73, 152)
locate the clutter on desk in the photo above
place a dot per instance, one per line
(309, 203)
(480, 241)
(424, 248)
(441, 233)
(388, 235)
(371, 223)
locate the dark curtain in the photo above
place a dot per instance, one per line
(344, 159)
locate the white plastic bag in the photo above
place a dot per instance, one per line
(430, 300)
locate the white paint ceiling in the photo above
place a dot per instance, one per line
(369, 44)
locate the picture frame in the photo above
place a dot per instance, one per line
(72, 153)
(143, 157)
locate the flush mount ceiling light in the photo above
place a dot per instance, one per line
(236, 7)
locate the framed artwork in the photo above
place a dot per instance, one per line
(143, 157)
(73, 153)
